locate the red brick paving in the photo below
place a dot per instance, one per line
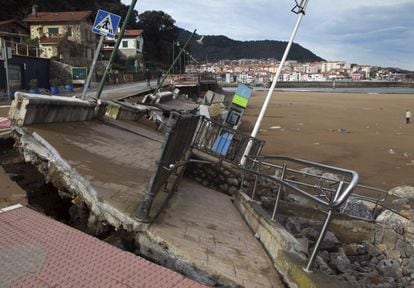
(36, 251)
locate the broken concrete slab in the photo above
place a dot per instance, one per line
(90, 161)
(125, 111)
(27, 109)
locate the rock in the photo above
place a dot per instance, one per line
(233, 190)
(310, 233)
(406, 249)
(340, 262)
(354, 249)
(329, 241)
(395, 221)
(322, 266)
(233, 182)
(267, 202)
(293, 226)
(389, 268)
(401, 201)
(410, 266)
(374, 261)
(357, 208)
(224, 187)
(371, 249)
(402, 192)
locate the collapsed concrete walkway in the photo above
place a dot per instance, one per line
(204, 226)
(116, 162)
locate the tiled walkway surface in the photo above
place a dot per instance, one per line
(36, 251)
(204, 226)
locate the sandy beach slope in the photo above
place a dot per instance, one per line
(364, 132)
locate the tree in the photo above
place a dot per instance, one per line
(159, 34)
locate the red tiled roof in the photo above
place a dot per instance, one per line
(51, 39)
(133, 32)
(58, 16)
(128, 33)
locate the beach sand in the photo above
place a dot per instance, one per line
(363, 132)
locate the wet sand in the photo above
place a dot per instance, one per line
(354, 131)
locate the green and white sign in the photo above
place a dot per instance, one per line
(79, 75)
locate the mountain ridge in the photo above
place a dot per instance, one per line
(221, 47)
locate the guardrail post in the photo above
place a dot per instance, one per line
(256, 179)
(323, 231)
(279, 190)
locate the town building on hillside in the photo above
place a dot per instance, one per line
(13, 32)
(66, 36)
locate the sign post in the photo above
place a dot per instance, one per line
(106, 25)
(117, 42)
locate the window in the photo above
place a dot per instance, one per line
(53, 31)
(69, 31)
(124, 44)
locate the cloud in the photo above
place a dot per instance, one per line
(375, 32)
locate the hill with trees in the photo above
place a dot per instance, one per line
(215, 48)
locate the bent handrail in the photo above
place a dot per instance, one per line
(340, 199)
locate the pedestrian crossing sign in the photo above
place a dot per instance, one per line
(106, 23)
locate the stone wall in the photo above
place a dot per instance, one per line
(223, 178)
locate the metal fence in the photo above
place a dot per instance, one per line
(327, 186)
(24, 49)
(221, 141)
(179, 136)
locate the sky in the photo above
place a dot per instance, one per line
(374, 32)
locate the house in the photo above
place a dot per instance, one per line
(64, 35)
(13, 31)
(132, 44)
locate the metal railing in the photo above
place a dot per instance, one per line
(221, 141)
(329, 191)
(23, 49)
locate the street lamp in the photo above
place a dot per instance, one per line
(173, 53)
(299, 9)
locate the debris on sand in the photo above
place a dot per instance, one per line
(391, 151)
(343, 130)
(275, 127)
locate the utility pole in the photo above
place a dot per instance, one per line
(6, 67)
(92, 70)
(174, 63)
(299, 9)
